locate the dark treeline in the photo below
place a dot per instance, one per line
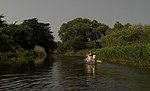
(82, 33)
(18, 40)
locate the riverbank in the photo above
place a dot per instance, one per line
(21, 56)
(134, 55)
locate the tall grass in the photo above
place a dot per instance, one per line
(19, 57)
(135, 55)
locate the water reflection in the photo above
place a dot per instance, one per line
(92, 69)
(59, 73)
(89, 68)
(28, 68)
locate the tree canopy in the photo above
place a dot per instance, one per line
(40, 34)
(132, 34)
(77, 34)
(26, 35)
(2, 22)
(82, 33)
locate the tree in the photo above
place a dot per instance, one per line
(82, 30)
(18, 33)
(77, 43)
(40, 34)
(60, 48)
(118, 26)
(2, 22)
(134, 34)
(5, 40)
(127, 25)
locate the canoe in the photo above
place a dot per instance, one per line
(93, 62)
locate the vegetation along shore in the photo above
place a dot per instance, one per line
(123, 43)
(22, 43)
(133, 55)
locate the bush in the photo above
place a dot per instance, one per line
(137, 55)
(136, 34)
(19, 57)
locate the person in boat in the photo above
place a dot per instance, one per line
(89, 57)
(94, 56)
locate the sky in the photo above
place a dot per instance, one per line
(57, 12)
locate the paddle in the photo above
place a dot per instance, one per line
(98, 60)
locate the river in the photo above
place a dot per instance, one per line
(59, 73)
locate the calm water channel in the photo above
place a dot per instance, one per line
(60, 73)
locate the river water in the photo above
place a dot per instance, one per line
(59, 73)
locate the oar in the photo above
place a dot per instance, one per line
(98, 60)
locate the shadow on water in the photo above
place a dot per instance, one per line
(27, 68)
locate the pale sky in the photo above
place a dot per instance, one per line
(57, 12)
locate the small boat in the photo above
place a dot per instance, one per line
(93, 61)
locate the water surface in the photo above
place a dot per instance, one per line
(59, 73)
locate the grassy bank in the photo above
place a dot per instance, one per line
(135, 55)
(21, 56)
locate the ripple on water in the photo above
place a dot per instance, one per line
(69, 75)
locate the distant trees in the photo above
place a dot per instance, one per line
(82, 33)
(18, 34)
(5, 40)
(18, 40)
(118, 26)
(2, 22)
(132, 34)
(77, 34)
(26, 35)
(39, 34)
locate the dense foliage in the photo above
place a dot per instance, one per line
(129, 44)
(81, 33)
(18, 40)
(27, 35)
(135, 34)
(135, 55)
(125, 44)
(39, 34)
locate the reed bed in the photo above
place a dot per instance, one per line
(135, 55)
